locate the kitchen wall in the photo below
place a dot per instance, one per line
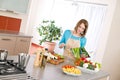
(111, 59)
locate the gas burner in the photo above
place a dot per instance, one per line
(3, 62)
(12, 69)
(8, 67)
(2, 71)
(1, 67)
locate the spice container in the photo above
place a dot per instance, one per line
(43, 58)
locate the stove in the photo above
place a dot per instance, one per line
(10, 70)
(8, 67)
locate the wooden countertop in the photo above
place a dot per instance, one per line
(13, 33)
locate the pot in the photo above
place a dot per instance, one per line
(50, 46)
(3, 54)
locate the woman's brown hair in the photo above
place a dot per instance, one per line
(85, 22)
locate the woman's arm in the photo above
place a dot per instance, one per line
(64, 38)
(61, 45)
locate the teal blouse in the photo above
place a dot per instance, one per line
(67, 34)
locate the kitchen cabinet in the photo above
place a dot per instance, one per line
(15, 44)
(14, 6)
(9, 23)
(8, 43)
(3, 21)
(22, 45)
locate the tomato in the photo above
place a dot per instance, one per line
(83, 58)
(86, 61)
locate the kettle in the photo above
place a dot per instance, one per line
(3, 54)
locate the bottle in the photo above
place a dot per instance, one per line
(44, 59)
(36, 61)
(41, 58)
(46, 54)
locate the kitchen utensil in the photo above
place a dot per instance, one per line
(3, 54)
(23, 59)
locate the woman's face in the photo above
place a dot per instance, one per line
(81, 28)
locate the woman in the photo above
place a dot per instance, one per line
(74, 38)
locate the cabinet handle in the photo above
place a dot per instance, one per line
(6, 39)
(23, 40)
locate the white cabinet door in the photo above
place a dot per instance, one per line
(22, 45)
(8, 43)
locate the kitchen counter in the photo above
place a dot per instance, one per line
(13, 33)
(54, 72)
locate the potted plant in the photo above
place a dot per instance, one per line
(49, 32)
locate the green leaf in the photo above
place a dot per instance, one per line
(49, 31)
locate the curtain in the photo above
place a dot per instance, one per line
(95, 15)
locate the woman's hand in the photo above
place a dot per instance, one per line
(62, 45)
